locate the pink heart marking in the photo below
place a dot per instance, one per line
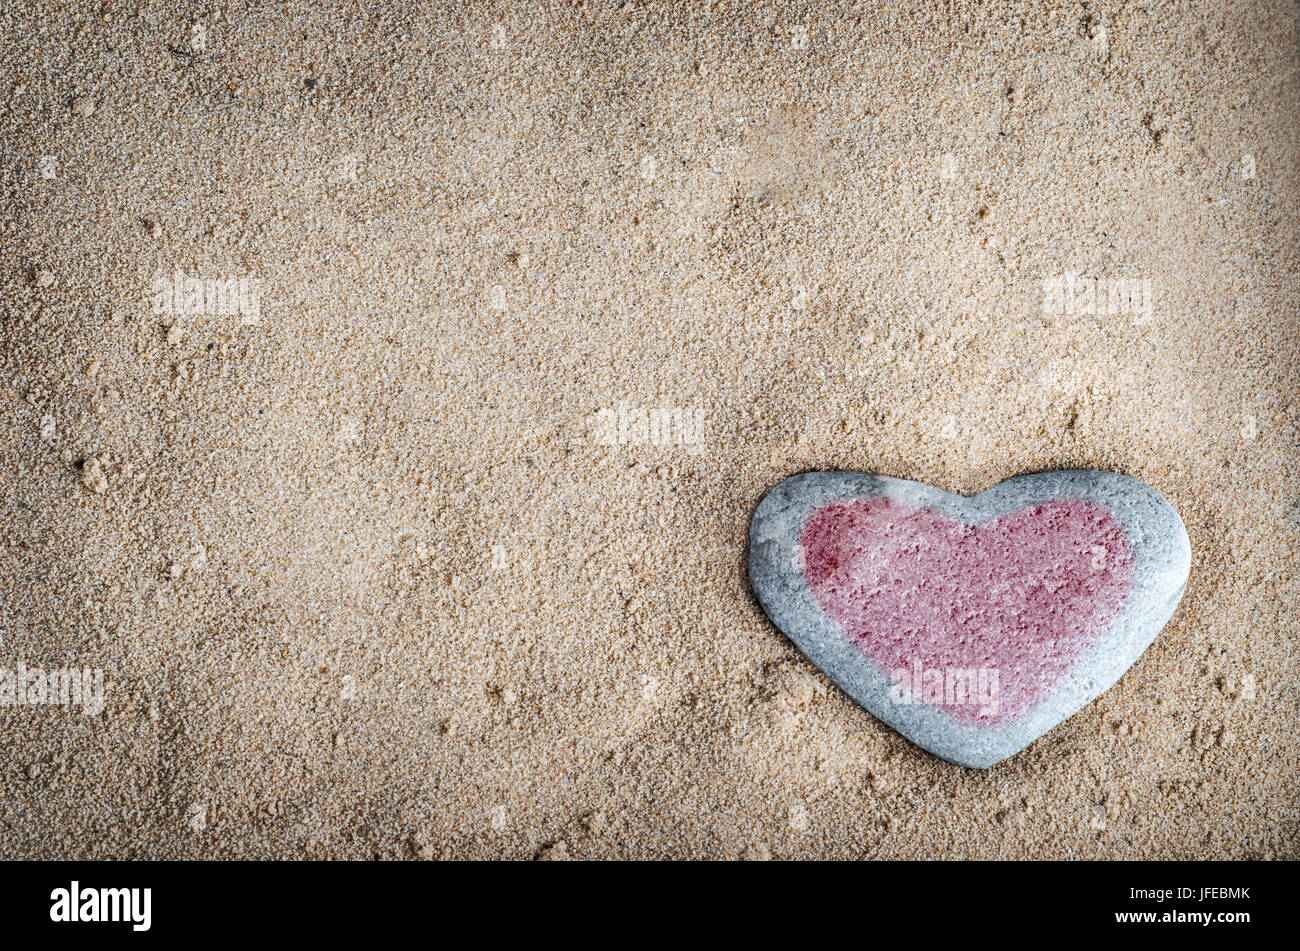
(1023, 594)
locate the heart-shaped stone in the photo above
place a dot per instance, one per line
(972, 626)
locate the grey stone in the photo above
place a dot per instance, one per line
(1160, 561)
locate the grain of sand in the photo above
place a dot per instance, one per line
(364, 578)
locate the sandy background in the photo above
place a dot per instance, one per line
(362, 575)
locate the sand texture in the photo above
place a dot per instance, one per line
(428, 540)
